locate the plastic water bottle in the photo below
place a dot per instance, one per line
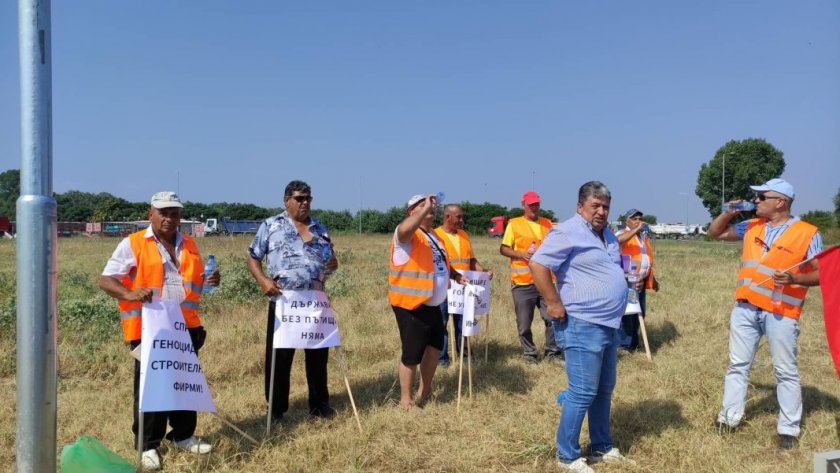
(776, 297)
(532, 248)
(645, 228)
(439, 197)
(209, 267)
(743, 206)
(632, 279)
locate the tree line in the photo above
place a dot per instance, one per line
(78, 206)
(744, 163)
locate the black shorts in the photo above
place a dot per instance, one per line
(419, 328)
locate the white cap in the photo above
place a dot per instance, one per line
(166, 199)
(414, 200)
(776, 185)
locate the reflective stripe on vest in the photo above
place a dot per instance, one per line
(523, 236)
(149, 274)
(412, 283)
(415, 292)
(789, 248)
(410, 274)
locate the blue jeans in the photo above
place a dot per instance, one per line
(457, 320)
(590, 368)
(748, 323)
(628, 332)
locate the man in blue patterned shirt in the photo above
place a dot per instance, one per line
(300, 257)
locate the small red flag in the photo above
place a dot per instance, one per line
(829, 261)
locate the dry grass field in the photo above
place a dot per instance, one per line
(663, 411)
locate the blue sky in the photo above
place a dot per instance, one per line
(375, 101)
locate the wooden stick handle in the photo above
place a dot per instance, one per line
(460, 375)
(644, 337)
(788, 269)
(341, 365)
(237, 429)
(469, 364)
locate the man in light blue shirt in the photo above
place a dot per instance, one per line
(587, 305)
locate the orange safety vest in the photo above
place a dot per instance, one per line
(523, 236)
(412, 283)
(149, 274)
(787, 250)
(457, 260)
(633, 249)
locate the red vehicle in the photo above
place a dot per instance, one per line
(497, 227)
(5, 225)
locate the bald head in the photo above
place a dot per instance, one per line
(453, 218)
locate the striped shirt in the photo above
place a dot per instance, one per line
(590, 280)
(771, 233)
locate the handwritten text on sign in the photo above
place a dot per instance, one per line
(455, 296)
(469, 322)
(304, 319)
(170, 375)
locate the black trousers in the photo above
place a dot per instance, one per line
(154, 423)
(316, 372)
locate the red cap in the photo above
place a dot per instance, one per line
(530, 197)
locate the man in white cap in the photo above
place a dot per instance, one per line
(769, 296)
(418, 278)
(159, 261)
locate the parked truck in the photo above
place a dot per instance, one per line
(226, 226)
(497, 227)
(6, 226)
(677, 231)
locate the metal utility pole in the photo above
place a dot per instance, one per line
(36, 248)
(723, 182)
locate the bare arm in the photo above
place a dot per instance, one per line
(512, 254)
(410, 224)
(269, 286)
(802, 279)
(721, 229)
(548, 291)
(624, 236)
(114, 288)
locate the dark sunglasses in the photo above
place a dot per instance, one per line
(763, 197)
(759, 241)
(302, 198)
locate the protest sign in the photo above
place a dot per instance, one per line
(455, 295)
(472, 297)
(304, 319)
(170, 375)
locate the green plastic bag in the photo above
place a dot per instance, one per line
(89, 455)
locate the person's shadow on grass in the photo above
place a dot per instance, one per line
(813, 400)
(631, 422)
(660, 335)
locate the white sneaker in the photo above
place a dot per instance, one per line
(194, 445)
(611, 456)
(150, 461)
(578, 465)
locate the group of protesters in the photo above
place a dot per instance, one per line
(572, 271)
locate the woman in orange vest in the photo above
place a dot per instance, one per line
(635, 247)
(159, 262)
(418, 278)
